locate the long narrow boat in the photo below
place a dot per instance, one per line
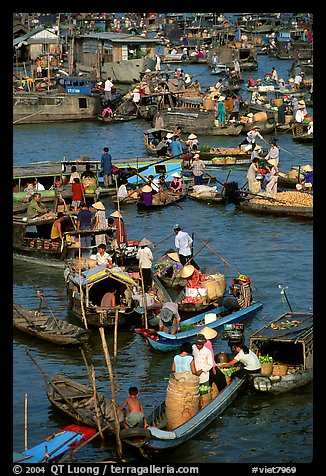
(55, 446)
(268, 208)
(48, 328)
(207, 196)
(162, 199)
(190, 327)
(288, 341)
(218, 156)
(156, 438)
(77, 401)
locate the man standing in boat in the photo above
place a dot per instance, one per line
(183, 242)
(106, 166)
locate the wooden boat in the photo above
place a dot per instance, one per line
(220, 69)
(162, 199)
(32, 240)
(74, 99)
(76, 401)
(290, 179)
(207, 196)
(288, 341)
(55, 446)
(208, 155)
(157, 438)
(300, 134)
(118, 118)
(201, 122)
(87, 288)
(152, 137)
(268, 208)
(190, 327)
(266, 127)
(47, 327)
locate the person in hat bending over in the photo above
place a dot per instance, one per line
(245, 356)
(169, 317)
(146, 195)
(251, 138)
(203, 359)
(176, 183)
(191, 274)
(145, 258)
(183, 243)
(99, 222)
(215, 374)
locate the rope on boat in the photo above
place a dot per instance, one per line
(37, 112)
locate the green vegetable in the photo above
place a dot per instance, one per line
(265, 359)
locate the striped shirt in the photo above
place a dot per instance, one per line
(245, 292)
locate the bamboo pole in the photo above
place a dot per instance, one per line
(98, 418)
(144, 296)
(220, 256)
(115, 338)
(113, 398)
(25, 423)
(80, 286)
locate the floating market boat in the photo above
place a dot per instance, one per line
(55, 446)
(162, 199)
(76, 401)
(300, 133)
(286, 344)
(74, 99)
(280, 206)
(48, 328)
(207, 194)
(117, 118)
(198, 121)
(157, 438)
(190, 327)
(218, 156)
(86, 289)
(152, 137)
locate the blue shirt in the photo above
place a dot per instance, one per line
(176, 147)
(85, 218)
(106, 163)
(182, 364)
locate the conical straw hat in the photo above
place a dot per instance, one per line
(187, 271)
(208, 332)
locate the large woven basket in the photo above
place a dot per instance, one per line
(267, 368)
(280, 369)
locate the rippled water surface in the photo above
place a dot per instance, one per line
(271, 250)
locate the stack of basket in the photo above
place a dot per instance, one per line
(182, 399)
(280, 369)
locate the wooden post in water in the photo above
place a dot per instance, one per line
(144, 297)
(115, 341)
(80, 286)
(113, 399)
(98, 418)
(25, 423)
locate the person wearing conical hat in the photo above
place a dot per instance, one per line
(176, 183)
(215, 374)
(308, 177)
(191, 141)
(145, 258)
(145, 195)
(121, 233)
(99, 222)
(191, 274)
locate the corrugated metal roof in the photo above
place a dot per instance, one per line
(30, 35)
(119, 37)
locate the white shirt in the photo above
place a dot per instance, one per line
(298, 79)
(122, 192)
(135, 97)
(250, 361)
(39, 187)
(251, 136)
(299, 116)
(182, 242)
(203, 361)
(145, 257)
(108, 85)
(103, 260)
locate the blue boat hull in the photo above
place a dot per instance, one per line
(168, 342)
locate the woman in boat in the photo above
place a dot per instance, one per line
(184, 361)
(99, 222)
(215, 374)
(245, 356)
(271, 187)
(192, 275)
(253, 183)
(118, 223)
(146, 195)
(145, 258)
(176, 183)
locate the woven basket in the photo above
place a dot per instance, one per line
(280, 369)
(267, 368)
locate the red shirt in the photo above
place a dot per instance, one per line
(193, 280)
(77, 191)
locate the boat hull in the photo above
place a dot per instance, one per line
(280, 384)
(167, 342)
(305, 213)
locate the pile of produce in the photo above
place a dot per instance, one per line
(288, 199)
(192, 299)
(265, 359)
(204, 389)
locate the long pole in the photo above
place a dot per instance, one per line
(25, 423)
(144, 296)
(115, 338)
(98, 418)
(113, 398)
(220, 256)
